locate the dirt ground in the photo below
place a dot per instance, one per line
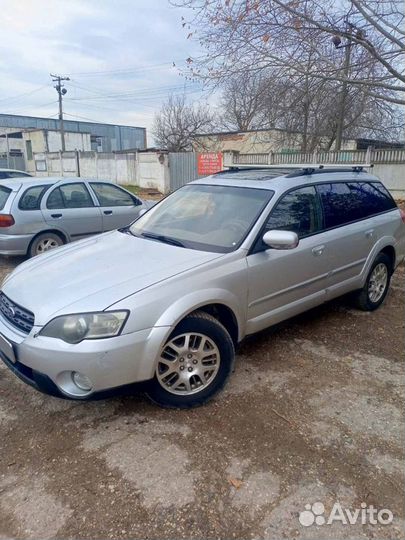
(313, 413)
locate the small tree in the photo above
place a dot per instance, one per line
(178, 122)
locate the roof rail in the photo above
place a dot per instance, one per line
(301, 169)
(300, 165)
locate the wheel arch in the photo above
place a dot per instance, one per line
(225, 316)
(384, 245)
(58, 232)
(391, 253)
(221, 304)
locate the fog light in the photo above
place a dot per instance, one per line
(81, 381)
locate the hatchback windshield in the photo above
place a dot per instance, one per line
(206, 217)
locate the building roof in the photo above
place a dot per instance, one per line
(22, 116)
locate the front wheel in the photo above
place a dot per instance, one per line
(194, 363)
(372, 295)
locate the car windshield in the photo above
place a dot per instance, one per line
(205, 217)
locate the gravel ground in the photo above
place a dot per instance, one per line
(313, 413)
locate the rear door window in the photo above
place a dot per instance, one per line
(31, 198)
(109, 195)
(4, 194)
(340, 205)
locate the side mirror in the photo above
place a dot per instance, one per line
(142, 212)
(281, 239)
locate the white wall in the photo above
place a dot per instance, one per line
(148, 170)
(73, 141)
(13, 144)
(153, 171)
(392, 176)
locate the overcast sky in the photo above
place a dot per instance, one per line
(106, 47)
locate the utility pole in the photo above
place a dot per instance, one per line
(346, 72)
(61, 92)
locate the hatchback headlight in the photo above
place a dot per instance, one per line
(76, 328)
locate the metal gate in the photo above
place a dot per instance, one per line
(182, 168)
(13, 162)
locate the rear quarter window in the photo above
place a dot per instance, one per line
(4, 195)
(31, 198)
(385, 199)
(345, 202)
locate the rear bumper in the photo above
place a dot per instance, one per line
(15, 244)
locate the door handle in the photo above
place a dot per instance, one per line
(318, 250)
(56, 216)
(369, 233)
(108, 212)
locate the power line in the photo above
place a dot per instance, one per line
(141, 94)
(148, 67)
(82, 117)
(32, 106)
(14, 98)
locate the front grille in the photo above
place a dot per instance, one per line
(16, 315)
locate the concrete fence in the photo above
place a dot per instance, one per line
(147, 170)
(167, 172)
(388, 164)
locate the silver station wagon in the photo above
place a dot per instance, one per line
(39, 214)
(166, 299)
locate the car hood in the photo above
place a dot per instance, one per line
(93, 274)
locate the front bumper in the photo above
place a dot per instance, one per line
(15, 244)
(47, 363)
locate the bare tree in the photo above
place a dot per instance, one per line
(252, 35)
(306, 107)
(178, 122)
(243, 101)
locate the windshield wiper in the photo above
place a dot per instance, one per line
(127, 230)
(162, 238)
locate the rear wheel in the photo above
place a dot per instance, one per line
(372, 295)
(44, 242)
(194, 363)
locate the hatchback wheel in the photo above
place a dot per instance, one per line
(44, 242)
(194, 363)
(372, 295)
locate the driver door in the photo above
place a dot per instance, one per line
(283, 283)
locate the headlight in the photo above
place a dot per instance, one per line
(5, 279)
(75, 328)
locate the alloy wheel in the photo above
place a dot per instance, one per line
(188, 364)
(377, 282)
(46, 244)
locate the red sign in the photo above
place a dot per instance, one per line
(209, 163)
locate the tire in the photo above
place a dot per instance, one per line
(44, 242)
(382, 270)
(204, 357)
